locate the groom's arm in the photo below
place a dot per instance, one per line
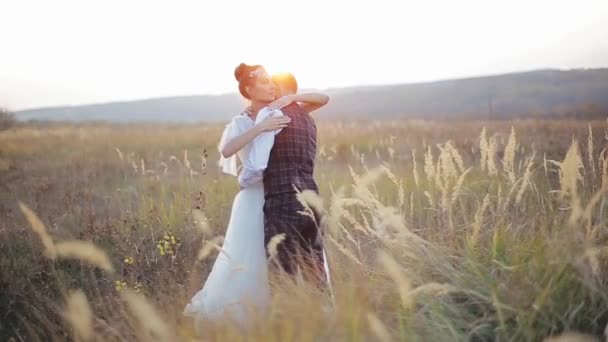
(310, 102)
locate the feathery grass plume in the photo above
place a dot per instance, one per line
(378, 328)
(455, 155)
(200, 221)
(273, 244)
(587, 214)
(432, 289)
(571, 337)
(143, 167)
(312, 203)
(483, 149)
(209, 246)
(335, 211)
(119, 153)
(390, 175)
(353, 174)
(429, 165)
(151, 323)
(458, 186)
(134, 167)
(590, 150)
(415, 170)
(430, 198)
(593, 255)
(40, 229)
(344, 250)
(401, 195)
(387, 217)
(165, 167)
(492, 170)
(604, 163)
(545, 164)
(478, 219)
(361, 188)
(508, 160)
(446, 168)
(354, 224)
(85, 251)
(411, 204)
(186, 160)
(402, 282)
(79, 314)
(391, 153)
(570, 174)
(525, 182)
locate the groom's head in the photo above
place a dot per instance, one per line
(286, 84)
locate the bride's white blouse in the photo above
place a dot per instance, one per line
(254, 156)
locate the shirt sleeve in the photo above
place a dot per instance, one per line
(249, 177)
(257, 160)
(232, 130)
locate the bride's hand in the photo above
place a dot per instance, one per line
(272, 123)
(282, 102)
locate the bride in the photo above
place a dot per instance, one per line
(237, 285)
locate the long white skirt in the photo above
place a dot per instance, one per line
(238, 286)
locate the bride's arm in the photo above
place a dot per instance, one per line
(237, 143)
(308, 101)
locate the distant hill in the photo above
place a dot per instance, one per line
(544, 93)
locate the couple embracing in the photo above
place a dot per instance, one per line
(275, 140)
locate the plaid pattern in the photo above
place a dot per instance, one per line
(302, 244)
(292, 158)
(291, 164)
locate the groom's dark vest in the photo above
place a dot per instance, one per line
(292, 158)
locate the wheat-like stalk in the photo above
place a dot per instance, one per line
(85, 251)
(477, 221)
(152, 324)
(590, 150)
(492, 170)
(402, 282)
(571, 337)
(40, 229)
(344, 250)
(79, 314)
(415, 169)
(483, 149)
(449, 147)
(508, 160)
(429, 165)
(378, 328)
(570, 175)
(210, 246)
(273, 245)
(119, 154)
(458, 186)
(525, 179)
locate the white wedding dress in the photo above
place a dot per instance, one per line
(237, 286)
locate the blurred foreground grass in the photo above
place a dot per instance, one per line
(437, 231)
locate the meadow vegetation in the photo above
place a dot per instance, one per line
(435, 231)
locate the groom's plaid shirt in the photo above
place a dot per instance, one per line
(290, 167)
(292, 158)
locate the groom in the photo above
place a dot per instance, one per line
(289, 171)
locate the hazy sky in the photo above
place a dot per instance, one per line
(73, 52)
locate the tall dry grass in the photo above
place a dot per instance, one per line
(109, 221)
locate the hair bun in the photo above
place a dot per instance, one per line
(241, 71)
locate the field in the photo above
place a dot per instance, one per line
(436, 231)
